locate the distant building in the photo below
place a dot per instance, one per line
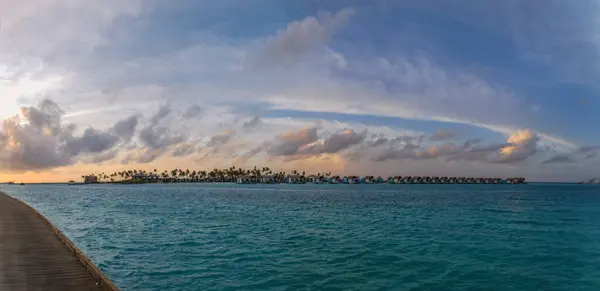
(316, 179)
(90, 179)
(367, 180)
(294, 179)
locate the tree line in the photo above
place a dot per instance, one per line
(186, 175)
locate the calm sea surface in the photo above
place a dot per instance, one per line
(332, 237)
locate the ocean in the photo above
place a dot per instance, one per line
(332, 237)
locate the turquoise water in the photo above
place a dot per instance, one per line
(332, 237)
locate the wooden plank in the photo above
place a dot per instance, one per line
(35, 255)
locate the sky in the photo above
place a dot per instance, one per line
(388, 87)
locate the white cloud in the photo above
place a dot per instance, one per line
(302, 37)
(42, 29)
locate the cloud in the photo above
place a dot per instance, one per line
(407, 87)
(587, 149)
(336, 142)
(403, 85)
(126, 128)
(291, 142)
(163, 111)
(44, 29)
(441, 134)
(142, 156)
(395, 154)
(471, 142)
(302, 37)
(343, 140)
(243, 158)
(521, 145)
(436, 151)
(185, 149)
(38, 139)
(252, 123)
(101, 157)
(409, 152)
(92, 141)
(155, 138)
(561, 37)
(378, 140)
(221, 138)
(559, 159)
(587, 152)
(158, 137)
(324, 139)
(192, 112)
(97, 61)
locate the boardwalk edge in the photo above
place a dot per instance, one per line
(101, 279)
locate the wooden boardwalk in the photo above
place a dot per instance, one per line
(35, 255)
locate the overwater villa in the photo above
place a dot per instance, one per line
(316, 179)
(334, 180)
(515, 180)
(295, 179)
(367, 180)
(352, 180)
